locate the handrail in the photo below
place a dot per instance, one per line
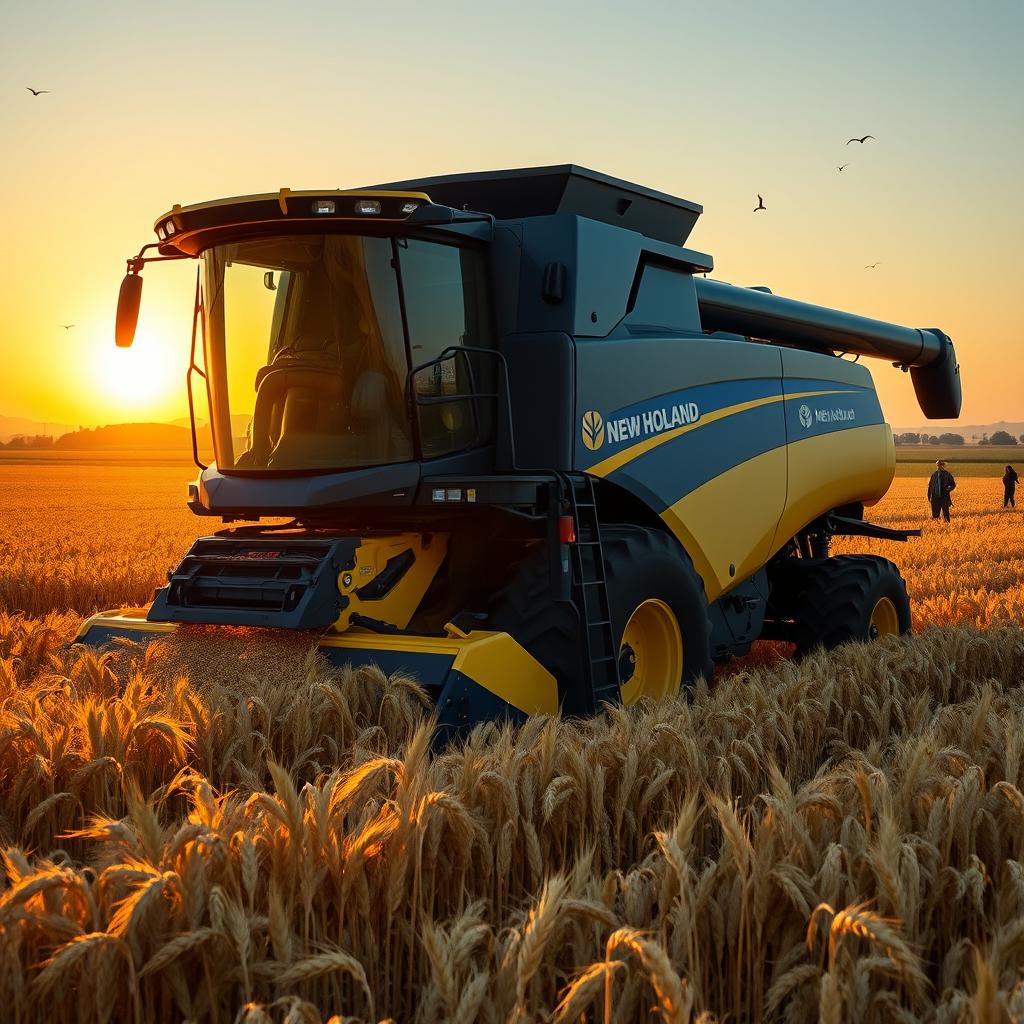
(451, 352)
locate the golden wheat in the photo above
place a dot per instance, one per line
(969, 570)
(334, 866)
(82, 538)
(222, 827)
(55, 555)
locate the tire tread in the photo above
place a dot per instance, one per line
(831, 605)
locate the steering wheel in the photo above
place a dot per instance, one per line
(294, 347)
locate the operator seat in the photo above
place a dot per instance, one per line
(298, 419)
(304, 418)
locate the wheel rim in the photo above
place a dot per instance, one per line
(885, 620)
(651, 653)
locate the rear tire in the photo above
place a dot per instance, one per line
(653, 590)
(846, 598)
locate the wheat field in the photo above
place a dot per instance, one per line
(223, 828)
(79, 537)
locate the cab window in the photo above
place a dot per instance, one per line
(444, 290)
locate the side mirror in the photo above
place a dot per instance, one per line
(128, 300)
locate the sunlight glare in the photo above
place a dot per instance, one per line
(146, 377)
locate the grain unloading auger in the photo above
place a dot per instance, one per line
(528, 455)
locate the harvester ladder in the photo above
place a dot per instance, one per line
(590, 593)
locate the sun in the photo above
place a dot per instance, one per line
(148, 378)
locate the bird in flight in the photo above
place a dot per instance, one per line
(871, 266)
(760, 204)
(67, 327)
(861, 140)
(842, 167)
(36, 92)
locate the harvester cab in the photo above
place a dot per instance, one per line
(524, 451)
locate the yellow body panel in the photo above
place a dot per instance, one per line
(372, 555)
(734, 518)
(126, 618)
(495, 661)
(731, 520)
(833, 469)
(507, 670)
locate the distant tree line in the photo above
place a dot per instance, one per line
(999, 437)
(946, 439)
(22, 441)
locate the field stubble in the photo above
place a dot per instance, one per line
(224, 828)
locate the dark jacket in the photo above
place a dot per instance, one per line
(1010, 479)
(940, 486)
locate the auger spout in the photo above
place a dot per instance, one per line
(926, 352)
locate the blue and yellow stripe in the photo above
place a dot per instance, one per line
(731, 484)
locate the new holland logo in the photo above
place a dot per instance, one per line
(806, 418)
(593, 430)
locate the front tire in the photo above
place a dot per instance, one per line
(658, 611)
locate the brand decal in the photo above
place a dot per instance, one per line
(593, 430)
(654, 421)
(812, 417)
(834, 415)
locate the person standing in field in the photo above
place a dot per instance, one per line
(940, 489)
(1009, 487)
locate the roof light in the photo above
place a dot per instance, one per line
(367, 207)
(409, 207)
(323, 206)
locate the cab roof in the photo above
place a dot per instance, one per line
(187, 230)
(504, 195)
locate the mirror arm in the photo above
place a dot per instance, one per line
(136, 263)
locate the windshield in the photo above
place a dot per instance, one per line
(307, 351)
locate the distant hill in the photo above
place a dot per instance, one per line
(138, 437)
(122, 436)
(14, 426)
(239, 423)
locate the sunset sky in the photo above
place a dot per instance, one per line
(157, 104)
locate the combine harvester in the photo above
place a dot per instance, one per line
(530, 456)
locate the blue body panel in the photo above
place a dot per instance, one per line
(674, 457)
